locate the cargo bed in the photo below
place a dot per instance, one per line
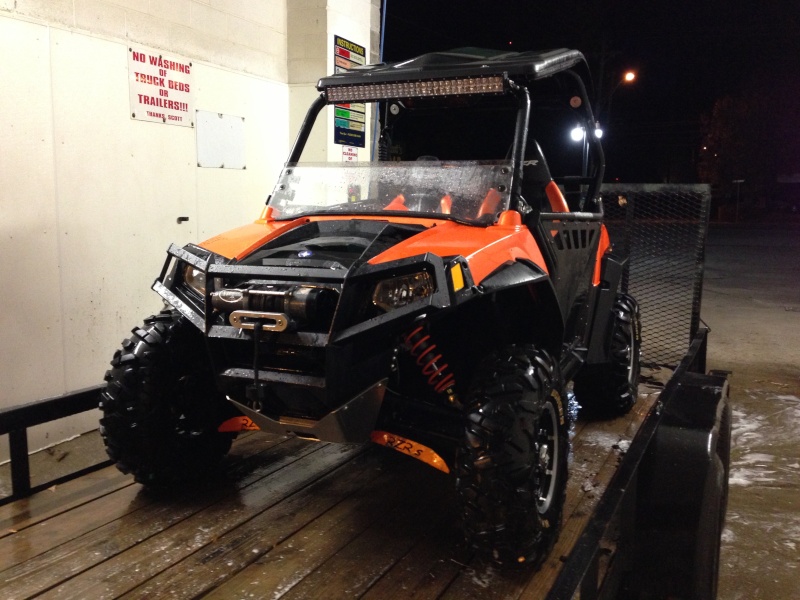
(293, 519)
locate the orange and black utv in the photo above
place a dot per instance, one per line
(438, 300)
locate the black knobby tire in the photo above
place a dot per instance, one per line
(512, 465)
(160, 406)
(609, 390)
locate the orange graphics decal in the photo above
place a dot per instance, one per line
(236, 424)
(413, 449)
(602, 248)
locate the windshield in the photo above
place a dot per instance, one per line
(468, 191)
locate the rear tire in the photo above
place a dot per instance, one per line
(610, 390)
(512, 465)
(160, 406)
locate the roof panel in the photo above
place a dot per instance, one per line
(461, 62)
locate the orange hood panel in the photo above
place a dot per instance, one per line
(238, 243)
(485, 248)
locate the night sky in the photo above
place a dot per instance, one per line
(687, 55)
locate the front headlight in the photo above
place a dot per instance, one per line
(400, 291)
(195, 279)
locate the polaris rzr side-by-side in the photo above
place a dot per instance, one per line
(437, 301)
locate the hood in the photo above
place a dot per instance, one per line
(339, 244)
(334, 244)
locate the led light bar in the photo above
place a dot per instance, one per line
(494, 84)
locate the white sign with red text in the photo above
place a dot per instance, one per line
(161, 87)
(349, 154)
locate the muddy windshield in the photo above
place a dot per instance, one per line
(467, 191)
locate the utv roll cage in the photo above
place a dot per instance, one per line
(470, 71)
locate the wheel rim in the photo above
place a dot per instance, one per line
(547, 458)
(632, 349)
(631, 357)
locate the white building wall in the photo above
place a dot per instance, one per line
(89, 198)
(312, 27)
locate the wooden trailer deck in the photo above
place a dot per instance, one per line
(289, 519)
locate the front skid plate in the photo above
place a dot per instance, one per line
(351, 423)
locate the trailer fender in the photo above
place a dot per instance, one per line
(682, 492)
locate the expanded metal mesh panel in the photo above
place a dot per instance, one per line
(663, 227)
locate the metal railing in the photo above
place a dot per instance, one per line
(15, 422)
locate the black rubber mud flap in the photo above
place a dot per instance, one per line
(682, 494)
(610, 389)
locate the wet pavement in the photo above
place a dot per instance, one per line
(751, 302)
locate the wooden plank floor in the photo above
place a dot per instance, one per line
(290, 519)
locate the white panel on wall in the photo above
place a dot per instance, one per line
(230, 198)
(31, 340)
(220, 140)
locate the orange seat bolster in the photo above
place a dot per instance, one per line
(556, 198)
(490, 203)
(446, 204)
(397, 203)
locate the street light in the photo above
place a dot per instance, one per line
(627, 77)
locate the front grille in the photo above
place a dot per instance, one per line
(305, 360)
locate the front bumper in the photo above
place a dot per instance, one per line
(319, 384)
(353, 422)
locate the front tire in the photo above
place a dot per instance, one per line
(160, 406)
(610, 389)
(512, 465)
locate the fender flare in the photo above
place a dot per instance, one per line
(613, 268)
(525, 273)
(682, 491)
(512, 274)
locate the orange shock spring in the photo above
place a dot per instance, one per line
(420, 347)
